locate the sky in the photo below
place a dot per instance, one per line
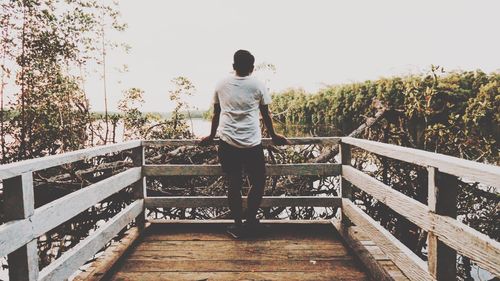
(311, 43)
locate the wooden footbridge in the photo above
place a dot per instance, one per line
(355, 248)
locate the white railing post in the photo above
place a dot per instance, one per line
(140, 185)
(345, 185)
(442, 200)
(19, 203)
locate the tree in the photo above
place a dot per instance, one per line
(43, 43)
(182, 87)
(133, 119)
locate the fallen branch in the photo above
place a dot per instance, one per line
(332, 152)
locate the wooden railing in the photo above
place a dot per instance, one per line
(324, 169)
(24, 224)
(446, 235)
(18, 236)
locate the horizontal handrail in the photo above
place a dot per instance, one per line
(17, 233)
(323, 169)
(70, 261)
(265, 141)
(479, 172)
(17, 168)
(221, 201)
(407, 261)
(465, 240)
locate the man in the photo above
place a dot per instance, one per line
(237, 102)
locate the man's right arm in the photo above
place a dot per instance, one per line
(215, 123)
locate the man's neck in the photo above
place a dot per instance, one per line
(242, 76)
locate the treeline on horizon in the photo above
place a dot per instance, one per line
(100, 114)
(165, 115)
(455, 113)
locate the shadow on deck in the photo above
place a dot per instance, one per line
(203, 251)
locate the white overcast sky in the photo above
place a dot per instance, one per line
(311, 43)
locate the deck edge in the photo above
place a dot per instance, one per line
(229, 221)
(378, 264)
(102, 267)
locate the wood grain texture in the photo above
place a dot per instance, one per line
(19, 204)
(222, 201)
(380, 266)
(17, 233)
(65, 208)
(409, 263)
(345, 185)
(285, 249)
(244, 264)
(165, 246)
(323, 169)
(442, 190)
(23, 262)
(209, 230)
(236, 253)
(138, 158)
(410, 208)
(70, 261)
(18, 197)
(99, 269)
(265, 141)
(465, 240)
(17, 168)
(483, 173)
(231, 276)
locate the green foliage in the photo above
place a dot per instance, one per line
(132, 117)
(43, 43)
(182, 88)
(457, 113)
(139, 125)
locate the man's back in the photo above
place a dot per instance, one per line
(239, 99)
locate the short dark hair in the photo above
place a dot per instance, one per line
(243, 62)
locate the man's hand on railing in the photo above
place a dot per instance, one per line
(279, 139)
(206, 140)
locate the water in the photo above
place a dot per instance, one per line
(201, 127)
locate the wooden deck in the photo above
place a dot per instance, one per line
(292, 250)
(203, 251)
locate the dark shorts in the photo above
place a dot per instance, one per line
(234, 159)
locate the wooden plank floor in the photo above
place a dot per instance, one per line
(288, 251)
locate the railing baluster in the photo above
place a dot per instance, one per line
(140, 185)
(442, 200)
(19, 203)
(345, 185)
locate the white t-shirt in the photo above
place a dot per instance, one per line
(239, 99)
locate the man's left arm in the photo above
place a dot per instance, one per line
(268, 122)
